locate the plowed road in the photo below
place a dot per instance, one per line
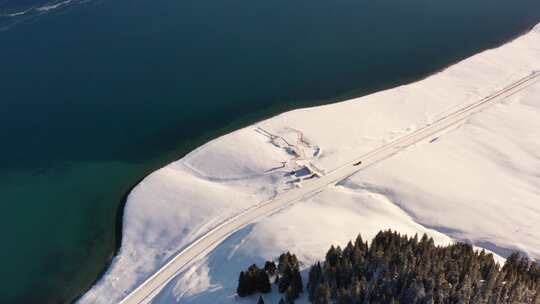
(151, 287)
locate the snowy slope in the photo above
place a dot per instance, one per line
(307, 229)
(478, 183)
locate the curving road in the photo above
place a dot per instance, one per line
(203, 245)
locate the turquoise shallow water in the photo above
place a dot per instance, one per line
(96, 96)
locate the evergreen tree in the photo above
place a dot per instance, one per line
(270, 267)
(242, 289)
(252, 275)
(253, 280)
(322, 294)
(332, 256)
(296, 281)
(288, 268)
(284, 281)
(315, 274)
(397, 269)
(290, 295)
(263, 282)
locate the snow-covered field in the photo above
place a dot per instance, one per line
(478, 183)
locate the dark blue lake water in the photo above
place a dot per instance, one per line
(96, 95)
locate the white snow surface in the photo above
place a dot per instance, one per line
(478, 183)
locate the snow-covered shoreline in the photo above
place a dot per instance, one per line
(412, 192)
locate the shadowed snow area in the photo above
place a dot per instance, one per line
(479, 182)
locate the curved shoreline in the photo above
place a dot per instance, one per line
(117, 239)
(353, 94)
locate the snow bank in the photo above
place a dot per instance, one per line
(479, 183)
